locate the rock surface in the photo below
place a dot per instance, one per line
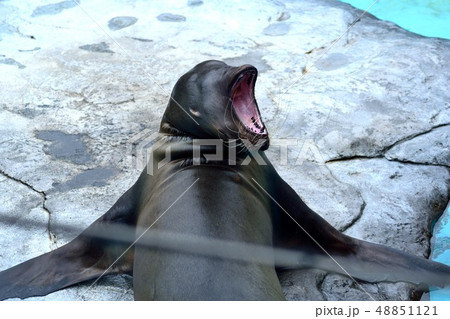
(364, 114)
(118, 23)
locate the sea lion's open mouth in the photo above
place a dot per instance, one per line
(243, 99)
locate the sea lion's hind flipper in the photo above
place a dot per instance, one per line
(68, 265)
(374, 263)
(94, 252)
(297, 227)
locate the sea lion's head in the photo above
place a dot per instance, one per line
(215, 100)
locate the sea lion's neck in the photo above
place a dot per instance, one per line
(188, 150)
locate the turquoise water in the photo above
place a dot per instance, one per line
(441, 250)
(429, 18)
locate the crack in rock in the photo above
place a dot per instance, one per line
(383, 153)
(357, 217)
(416, 163)
(412, 136)
(51, 236)
(360, 157)
(361, 209)
(320, 279)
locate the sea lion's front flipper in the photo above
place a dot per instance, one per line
(298, 227)
(86, 257)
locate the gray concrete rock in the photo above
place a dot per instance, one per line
(336, 287)
(53, 8)
(394, 215)
(297, 284)
(170, 17)
(97, 47)
(277, 29)
(359, 119)
(118, 23)
(193, 3)
(11, 62)
(432, 147)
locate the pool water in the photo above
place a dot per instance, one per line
(429, 18)
(441, 250)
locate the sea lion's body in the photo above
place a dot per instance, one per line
(220, 202)
(208, 177)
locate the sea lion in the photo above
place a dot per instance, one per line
(208, 178)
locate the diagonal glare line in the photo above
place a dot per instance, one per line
(133, 60)
(315, 241)
(134, 242)
(330, 47)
